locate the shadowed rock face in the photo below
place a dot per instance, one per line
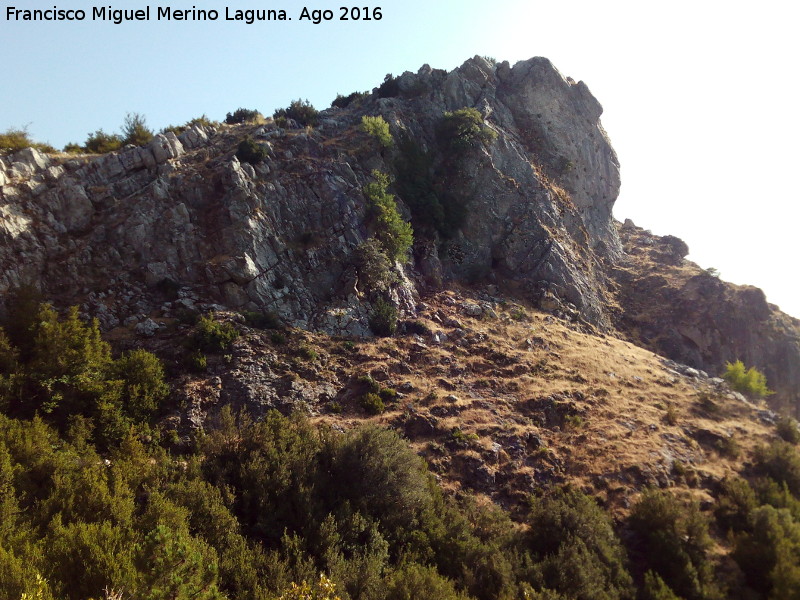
(673, 307)
(281, 235)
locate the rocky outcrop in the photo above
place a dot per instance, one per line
(137, 231)
(673, 307)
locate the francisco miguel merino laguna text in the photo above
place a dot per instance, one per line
(167, 13)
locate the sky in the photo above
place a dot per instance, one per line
(700, 98)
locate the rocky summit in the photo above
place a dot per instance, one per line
(137, 235)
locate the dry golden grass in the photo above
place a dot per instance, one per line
(621, 419)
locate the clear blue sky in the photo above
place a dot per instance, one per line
(700, 99)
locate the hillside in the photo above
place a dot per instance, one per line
(290, 310)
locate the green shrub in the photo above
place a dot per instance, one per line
(307, 353)
(250, 151)
(769, 555)
(728, 446)
(788, 430)
(211, 336)
(389, 88)
(302, 111)
(374, 267)
(735, 501)
(395, 235)
(12, 140)
(243, 115)
(655, 589)
(459, 439)
(750, 381)
(135, 130)
(780, 461)
(101, 142)
(73, 148)
(575, 549)
(345, 101)
(460, 130)
(673, 542)
(144, 387)
(383, 319)
(368, 384)
(377, 128)
(388, 395)
(413, 581)
(372, 403)
(277, 338)
(263, 320)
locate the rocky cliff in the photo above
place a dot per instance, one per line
(673, 307)
(138, 235)
(281, 235)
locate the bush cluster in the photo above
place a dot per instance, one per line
(213, 336)
(243, 115)
(250, 151)
(750, 382)
(383, 319)
(301, 111)
(14, 139)
(60, 368)
(345, 101)
(462, 129)
(394, 234)
(378, 128)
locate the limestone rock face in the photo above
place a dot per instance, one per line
(281, 235)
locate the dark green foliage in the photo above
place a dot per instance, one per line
(135, 130)
(432, 208)
(413, 581)
(655, 588)
(144, 387)
(301, 111)
(242, 115)
(196, 361)
(212, 336)
(177, 567)
(395, 235)
(788, 430)
(250, 151)
(345, 101)
(463, 129)
(673, 542)
(575, 548)
(263, 320)
(372, 403)
(368, 385)
(389, 88)
(383, 319)
(769, 555)
(736, 500)
(101, 142)
(202, 120)
(388, 395)
(750, 382)
(307, 353)
(780, 461)
(277, 338)
(73, 148)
